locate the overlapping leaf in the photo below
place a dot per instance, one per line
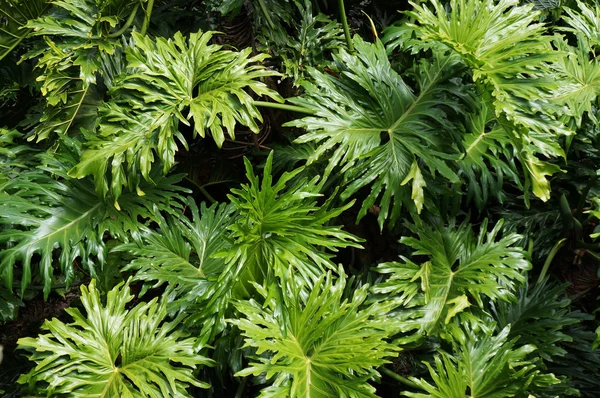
(509, 55)
(14, 15)
(321, 345)
(165, 79)
(113, 351)
(460, 270)
(540, 317)
(182, 253)
(483, 365)
(379, 132)
(282, 229)
(43, 210)
(76, 33)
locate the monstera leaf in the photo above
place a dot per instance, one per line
(112, 351)
(321, 345)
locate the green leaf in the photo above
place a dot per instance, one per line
(483, 365)
(280, 229)
(584, 23)
(313, 40)
(376, 128)
(461, 268)
(321, 344)
(42, 214)
(581, 73)
(113, 351)
(540, 316)
(167, 78)
(182, 253)
(14, 15)
(510, 59)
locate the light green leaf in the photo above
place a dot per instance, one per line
(112, 351)
(321, 344)
(371, 124)
(461, 268)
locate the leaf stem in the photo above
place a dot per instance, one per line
(147, 19)
(263, 7)
(284, 107)
(127, 23)
(549, 259)
(202, 190)
(345, 25)
(399, 378)
(583, 195)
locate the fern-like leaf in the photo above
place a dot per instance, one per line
(321, 344)
(113, 351)
(379, 132)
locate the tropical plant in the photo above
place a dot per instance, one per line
(460, 270)
(114, 351)
(275, 198)
(316, 343)
(485, 365)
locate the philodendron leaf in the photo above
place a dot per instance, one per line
(460, 268)
(112, 351)
(371, 124)
(510, 57)
(321, 345)
(168, 82)
(483, 365)
(14, 15)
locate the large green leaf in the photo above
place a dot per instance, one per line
(483, 365)
(165, 79)
(580, 70)
(281, 230)
(540, 316)
(510, 58)
(113, 351)
(43, 211)
(584, 22)
(182, 254)
(321, 345)
(460, 270)
(379, 132)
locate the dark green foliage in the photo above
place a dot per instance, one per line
(332, 153)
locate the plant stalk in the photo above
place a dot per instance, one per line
(147, 19)
(549, 259)
(399, 378)
(284, 107)
(345, 25)
(127, 23)
(263, 7)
